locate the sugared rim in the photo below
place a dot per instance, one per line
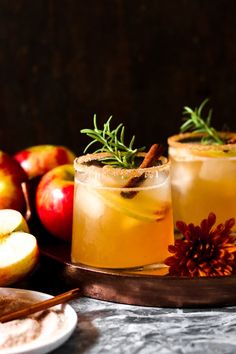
(79, 165)
(176, 141)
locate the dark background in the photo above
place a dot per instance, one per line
(138, 60)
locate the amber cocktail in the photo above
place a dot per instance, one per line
(203, 177)
(119, 227)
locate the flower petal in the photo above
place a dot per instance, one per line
(205, 250)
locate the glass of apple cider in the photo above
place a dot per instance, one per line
(120, 227)
(203, 177)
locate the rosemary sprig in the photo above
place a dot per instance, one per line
(196, 123)
(112, 142)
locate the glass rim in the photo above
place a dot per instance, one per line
(175, 141)
(79, 165)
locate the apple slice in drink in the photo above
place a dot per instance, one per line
(18, 249)
(142, 206)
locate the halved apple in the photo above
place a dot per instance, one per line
(12, 220)
(18, 249)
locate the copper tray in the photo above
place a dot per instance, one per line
(138, 288)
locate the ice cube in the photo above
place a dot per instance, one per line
(183, 176)
(90, 203)
(217, 169)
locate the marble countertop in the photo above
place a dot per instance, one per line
(105, 327)
(112, 328)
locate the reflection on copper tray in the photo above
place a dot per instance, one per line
(146, 288)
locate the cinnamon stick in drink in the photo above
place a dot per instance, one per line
(152, 155)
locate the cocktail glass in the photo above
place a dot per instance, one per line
(203, 178)
(119, 227)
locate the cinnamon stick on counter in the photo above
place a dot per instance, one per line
(151, 156)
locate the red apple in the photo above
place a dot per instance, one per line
(54, 201)
(39, 159)
(11, 177)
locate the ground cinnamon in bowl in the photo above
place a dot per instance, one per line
(37, 327)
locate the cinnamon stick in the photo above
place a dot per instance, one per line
(40, 306)
(153, 154)
(231, 140)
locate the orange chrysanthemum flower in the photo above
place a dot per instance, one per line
(205, 250)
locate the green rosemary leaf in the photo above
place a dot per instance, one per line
(208, 120)
(112, 142)
(193, 121)
(131, 142)
(88, 146)
(199, 110)
(122, 135)
(185, 126)
(187, 110)
(94, 122)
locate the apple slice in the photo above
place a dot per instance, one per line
(11, 220)
(18, 248)
(147, 210)
(18, 256)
